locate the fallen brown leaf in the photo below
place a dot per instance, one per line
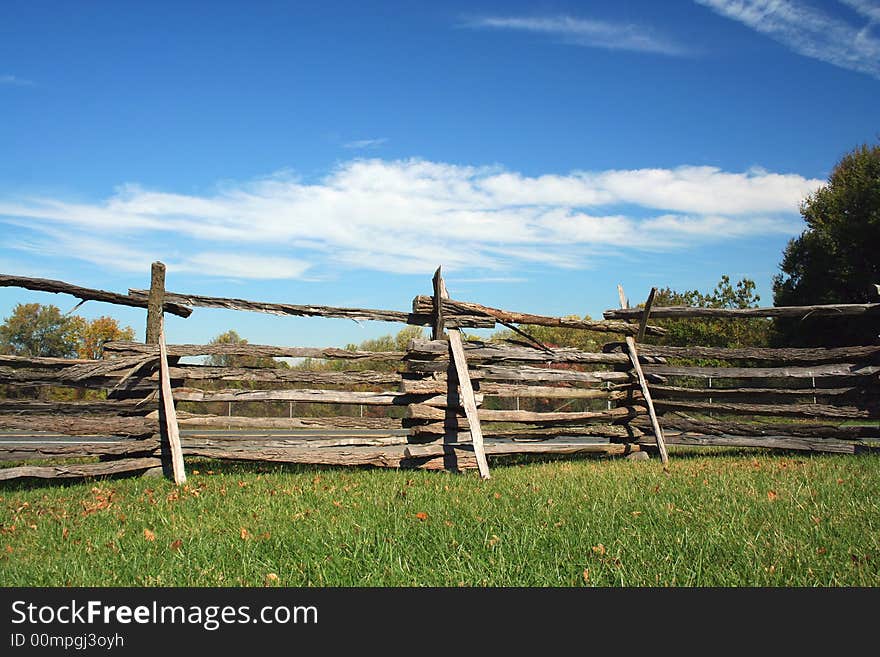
(175, 545)
(421, 515)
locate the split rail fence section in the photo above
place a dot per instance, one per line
(815, 399)
(445, 403)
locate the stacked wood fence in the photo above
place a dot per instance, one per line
(815, 399)
(447, 402)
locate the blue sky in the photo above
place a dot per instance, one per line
(335, 153)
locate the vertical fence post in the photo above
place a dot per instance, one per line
(437, 302)
(155, 302)
(155, 306)
(170, 448)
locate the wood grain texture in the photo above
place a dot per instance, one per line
(524, 373)
(80, 470)
(183, 350)
(86, 294)
(468, 399)
(668, 392)
(434, 385)
(817, 371)
(646, 311)
(492, 352)
(168, 420)
(155, 302)
(422, 412)
(785, 410)
(646, 393)
(100, 407)
(767, 442)
(331, 423)
(500, 449)
(459, 310)
(789, 355)
(282, 375)
(128, 448)
(675, 312)
(358, 314)
(757, 428)
(615, 432)
(128, 427)
(317, 396)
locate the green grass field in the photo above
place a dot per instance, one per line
(731, 518)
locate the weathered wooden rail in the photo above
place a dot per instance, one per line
(443, 403)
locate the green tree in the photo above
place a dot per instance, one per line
(713, 332)
(231, 337)
(396, 342)
(836, 259)
(39, 331)
(556, 336)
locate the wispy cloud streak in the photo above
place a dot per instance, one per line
(364, 143)
(586, 32)
(12, 80)
(809, 31)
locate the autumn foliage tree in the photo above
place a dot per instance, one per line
(36, 330)
(94, 334)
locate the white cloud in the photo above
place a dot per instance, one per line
(15, 81)
(809, 31)
(408, 216)
(868, 9)
(243, 266)
(364, 143)
(586, 32)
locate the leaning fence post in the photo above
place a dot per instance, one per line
(458, 359)
(170, 429)
(643, 382)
